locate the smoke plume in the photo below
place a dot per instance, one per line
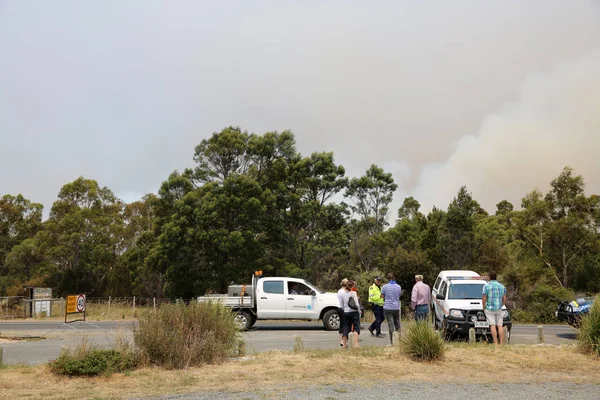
(554, 123)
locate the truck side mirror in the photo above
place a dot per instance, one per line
(312, 293)
(439, 296)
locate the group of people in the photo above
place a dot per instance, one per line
(385, 303)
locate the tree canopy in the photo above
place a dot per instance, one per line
(252, 201)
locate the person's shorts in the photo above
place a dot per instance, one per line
(494, 317)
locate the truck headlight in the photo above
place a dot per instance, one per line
(505, 314)
(457, 314)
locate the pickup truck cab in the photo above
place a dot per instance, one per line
(456, 304)
(279, 298)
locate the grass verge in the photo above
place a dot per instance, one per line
(274, 370)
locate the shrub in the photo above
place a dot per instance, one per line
(540, 304)
(588, 337)
(179, 335)
(92, 362)
(422, 343)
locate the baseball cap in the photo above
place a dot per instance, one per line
(378, 278)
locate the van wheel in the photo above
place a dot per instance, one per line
(243, 320)
(331, 320)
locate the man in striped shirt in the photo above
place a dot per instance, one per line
(493, 299)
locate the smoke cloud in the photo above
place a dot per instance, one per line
(523, 146)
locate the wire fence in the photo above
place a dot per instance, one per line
(12, 307)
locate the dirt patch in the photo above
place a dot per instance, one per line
(12, 339)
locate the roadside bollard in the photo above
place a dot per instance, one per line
(540, 336)
(0, 355)
(350, 340)
(396, 338)
(471, 335)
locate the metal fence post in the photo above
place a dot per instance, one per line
(0, 355)
(154, 302)
(108, 306)
(134, 306)
(471, 335)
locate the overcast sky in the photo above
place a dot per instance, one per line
(495, 95)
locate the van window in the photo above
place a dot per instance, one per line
(444, 289)
(273, 287)
(437, 283)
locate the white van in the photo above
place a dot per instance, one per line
(456, 304)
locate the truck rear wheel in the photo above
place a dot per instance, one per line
(331, 320)
(243, 320)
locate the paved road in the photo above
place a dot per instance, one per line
(266, 335)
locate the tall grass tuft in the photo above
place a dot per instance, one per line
(588, 337)
(87, 360)
(422, 343)
(177, 336)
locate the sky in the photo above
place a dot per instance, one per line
(497, 95)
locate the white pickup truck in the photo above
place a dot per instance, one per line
(456, 304)
(279, 298)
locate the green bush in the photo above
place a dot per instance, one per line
(588, 336)
(539, 305)
(92, 362)
(178, 335)
(422, 343)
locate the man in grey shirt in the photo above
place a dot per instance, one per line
(391, 307)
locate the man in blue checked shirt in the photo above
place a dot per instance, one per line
(493, 299)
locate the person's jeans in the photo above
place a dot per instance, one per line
(393, 320)
(421, 312)
(342, 321)
(351, 323)
(376, 325)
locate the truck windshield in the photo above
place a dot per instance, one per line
(469, 291)
(307, 283)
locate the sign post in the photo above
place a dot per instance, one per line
(75, 305)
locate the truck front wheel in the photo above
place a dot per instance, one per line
(331, 320)
(243, 320)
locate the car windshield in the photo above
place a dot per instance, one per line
(469, 291)
(307, 283)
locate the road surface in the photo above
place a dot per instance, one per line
(48, 338)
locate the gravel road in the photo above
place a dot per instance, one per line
(403, 390)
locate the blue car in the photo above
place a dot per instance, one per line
(571, 312)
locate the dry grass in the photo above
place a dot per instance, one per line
(268, 371)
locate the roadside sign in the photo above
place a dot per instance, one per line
(75, 305)
(81, 303)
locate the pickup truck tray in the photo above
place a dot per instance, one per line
(228, 301)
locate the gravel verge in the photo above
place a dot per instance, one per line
(490, 391)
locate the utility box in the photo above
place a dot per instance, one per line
(236, 290)
(39, 301)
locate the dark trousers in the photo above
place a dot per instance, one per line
(421, 312)
(376, 325)
(351, 324)
(341, 314)
(393, 320)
